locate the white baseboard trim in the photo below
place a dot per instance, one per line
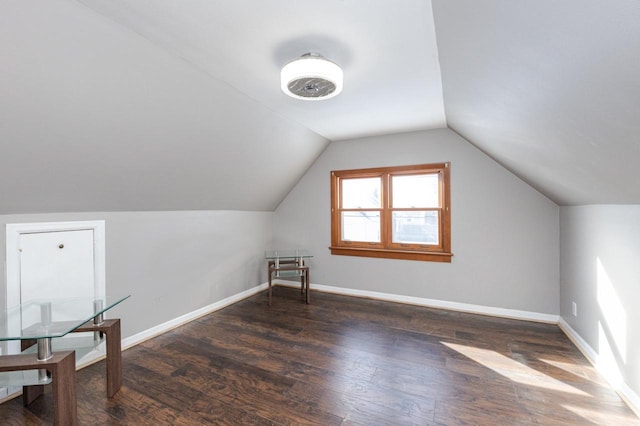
(626, 393)
(432, 303)
(183, 319)
(99, 354)
(577, 340)
(138, 338)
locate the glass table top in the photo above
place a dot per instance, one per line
(38, 319)
(287, 254)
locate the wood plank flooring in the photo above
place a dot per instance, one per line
(345, 361)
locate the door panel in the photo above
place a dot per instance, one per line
(56, 265)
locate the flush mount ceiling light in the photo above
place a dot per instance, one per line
(311, 77)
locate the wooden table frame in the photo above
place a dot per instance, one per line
(290, 266)
(62, 366)
(111, 330)
(63, 376)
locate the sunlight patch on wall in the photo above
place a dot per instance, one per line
(606, 362)
(513, 370)
(614, 315)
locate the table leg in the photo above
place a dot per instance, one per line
(114, 359)
(63, 389)
(270, 272)
(31, 393)
(62, 366)
(308, 283)
(111, 329)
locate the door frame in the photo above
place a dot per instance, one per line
(12, 295)
(15, 230)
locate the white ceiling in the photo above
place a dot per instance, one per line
(550, 89)
(167, 105)
(387, 51)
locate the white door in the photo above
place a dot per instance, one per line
(52, 260)
(55, 260)
(57, 264)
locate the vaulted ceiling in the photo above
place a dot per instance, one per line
(550, 89)
(176, 105)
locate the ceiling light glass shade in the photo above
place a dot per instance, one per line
(311, 77)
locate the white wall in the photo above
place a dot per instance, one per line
(505, 235)
(600, 271)
(172, 263)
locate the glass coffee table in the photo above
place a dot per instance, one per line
(286, 264)
(46, 359)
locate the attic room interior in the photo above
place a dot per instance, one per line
(165, 128)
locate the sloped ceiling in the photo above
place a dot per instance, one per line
(175, 105)
(387, 50)
(550, 89)
(165, 105)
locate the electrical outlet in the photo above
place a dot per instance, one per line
(574, 309)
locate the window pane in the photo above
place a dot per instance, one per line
(361, 193)
(415, 227)
(361, 226)
(415, 191)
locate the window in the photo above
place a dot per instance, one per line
(392, 212)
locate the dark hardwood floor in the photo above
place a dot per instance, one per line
(345, 361)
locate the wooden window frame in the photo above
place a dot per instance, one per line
(440, 252)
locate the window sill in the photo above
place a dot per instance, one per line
(392, 254)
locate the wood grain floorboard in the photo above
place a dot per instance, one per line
(344, 361)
